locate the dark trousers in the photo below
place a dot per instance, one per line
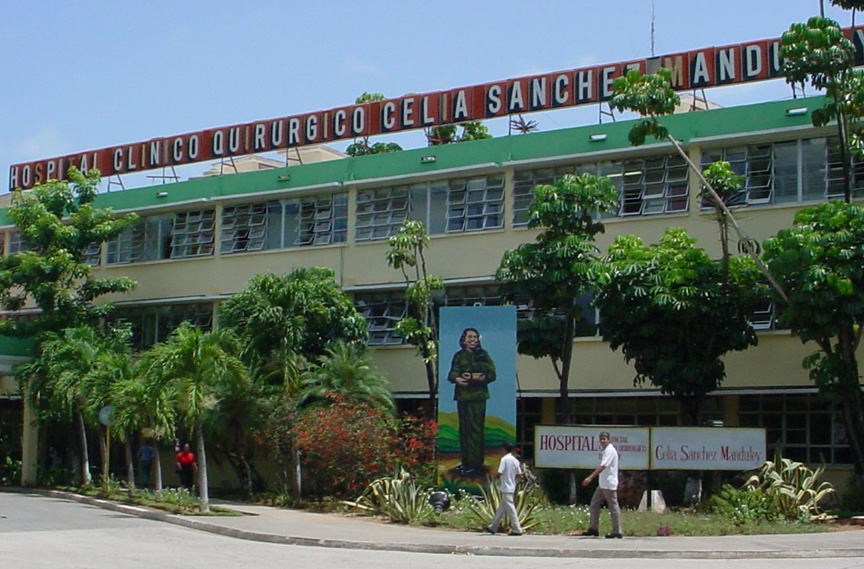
(472, 417)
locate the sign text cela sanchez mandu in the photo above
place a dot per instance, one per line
(697, 69)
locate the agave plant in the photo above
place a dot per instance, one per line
(398, 498)
(794, 486)
(525, 499)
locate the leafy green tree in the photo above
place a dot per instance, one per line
(407, 253)
(817, 52)
(446, 134)
(652, 96)
(58, 223)
(675, 313)
(201, 370)
(349, 371)
(558, 268)
(282, 319)
(364, 147)
(820, 261)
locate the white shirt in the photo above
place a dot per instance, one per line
(609, 475)
(508, 468)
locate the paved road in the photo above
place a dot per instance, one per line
(39, 532)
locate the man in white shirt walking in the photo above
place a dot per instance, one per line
(509, 471)
(607, 490)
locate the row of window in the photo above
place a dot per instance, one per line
(384, 309)
(779, 172)
(792, 171)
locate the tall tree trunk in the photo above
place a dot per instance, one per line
(105, 449)
(432, 411)
(157, 480)
(85, 454)
(203, 490)
(564, 373)
(130, 462)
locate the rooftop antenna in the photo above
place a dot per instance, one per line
(652, 29)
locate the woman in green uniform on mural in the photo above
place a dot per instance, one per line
(472, 371)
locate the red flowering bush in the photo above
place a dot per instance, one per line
(345, 445)
(417, 444)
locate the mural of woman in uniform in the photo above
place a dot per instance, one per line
(471, 371)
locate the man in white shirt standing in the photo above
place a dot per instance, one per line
(509, 471)
(607, 490)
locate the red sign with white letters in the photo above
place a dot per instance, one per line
(697, 69)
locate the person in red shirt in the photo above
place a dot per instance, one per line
(186, 466)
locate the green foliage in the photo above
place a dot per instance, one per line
(820, 261)
(407, 253)
(199, 368)
(650, 96)
(672, 312)
(10, 471)
(58, 223)
(283, 319)
(725, 182)
(819, 53)
(744, 505)
(398, 498)
(364, 147)
(816, 51)
(446, 134)
(349, 371)
(794, 487)
(559, 266)
(849, 4)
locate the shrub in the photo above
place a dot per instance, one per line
(416, 447)
(744, 505)
(345, 444)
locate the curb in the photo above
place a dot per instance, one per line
(500, 551)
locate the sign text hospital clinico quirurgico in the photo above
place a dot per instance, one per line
(697, 69)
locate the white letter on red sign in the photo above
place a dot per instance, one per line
(388, 121)
(339, 126)
(177, 150)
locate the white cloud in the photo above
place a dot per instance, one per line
(44, 143)
(354, 64)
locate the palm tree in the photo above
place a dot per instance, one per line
(346, 370)
(200, 369)
(141, 405)
(67, 374)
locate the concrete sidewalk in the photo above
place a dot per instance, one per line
(279, 525)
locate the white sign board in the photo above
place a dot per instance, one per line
(707, 448)
(574, 446)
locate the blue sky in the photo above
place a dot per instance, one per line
(85, 75)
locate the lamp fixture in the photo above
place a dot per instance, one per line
(161, 194)
(597, 137)
(284, 177)
(427, 159)
(797, 111)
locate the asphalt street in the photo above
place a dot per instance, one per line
(38, 531)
